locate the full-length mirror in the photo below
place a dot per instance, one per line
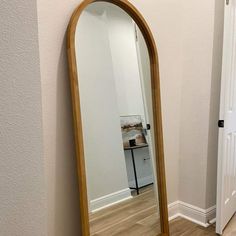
(116, 114)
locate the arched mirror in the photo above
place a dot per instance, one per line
(117, 119)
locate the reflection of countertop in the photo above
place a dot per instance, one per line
(136, 147)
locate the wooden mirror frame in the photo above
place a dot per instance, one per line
(157, 117)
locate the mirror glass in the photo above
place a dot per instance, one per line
(116, 108)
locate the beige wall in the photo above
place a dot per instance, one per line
(201, 56)
(197, 48)
(22, 182)
(59, 155)
(59, 149)
(184, 33)
(189, 40)
(188, 36)
(163, 19)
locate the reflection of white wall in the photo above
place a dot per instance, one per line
(128, 84)
(113, 85)
(105, 162)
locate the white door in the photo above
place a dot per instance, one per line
(226, 181)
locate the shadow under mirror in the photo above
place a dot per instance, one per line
(117, 119)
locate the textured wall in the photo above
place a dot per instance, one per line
(22, 197)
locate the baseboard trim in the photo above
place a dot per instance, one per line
(203, 217)
(192, 213)
(109, 200)
(173, 209)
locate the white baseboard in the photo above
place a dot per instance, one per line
(192, 213)
(173, 210)
(142, 181)
(109, 200)
(176, 209)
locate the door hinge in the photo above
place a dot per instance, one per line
(221, 123)
(227, 2)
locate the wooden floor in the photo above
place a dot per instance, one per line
(231, 228)
(138, 217)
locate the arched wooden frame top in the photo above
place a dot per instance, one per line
(157, 117)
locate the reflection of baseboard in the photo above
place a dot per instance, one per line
(192, 213)
(110, 199)
(142, 181)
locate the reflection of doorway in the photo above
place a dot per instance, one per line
(129, 92)
(145, 75)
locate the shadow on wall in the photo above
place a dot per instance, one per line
(66, 185)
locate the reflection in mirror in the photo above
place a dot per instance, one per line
(116, 109)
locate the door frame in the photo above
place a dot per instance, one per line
(221, 136)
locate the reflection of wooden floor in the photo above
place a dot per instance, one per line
(138, 217)
(135, 217)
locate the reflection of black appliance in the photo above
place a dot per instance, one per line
(132, 142)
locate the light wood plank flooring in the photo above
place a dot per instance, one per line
(138, 217)
(231, 228)
(133, 217)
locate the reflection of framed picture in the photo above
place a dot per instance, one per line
(132, 131)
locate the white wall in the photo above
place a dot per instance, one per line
(104, 155)
(22, 182)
